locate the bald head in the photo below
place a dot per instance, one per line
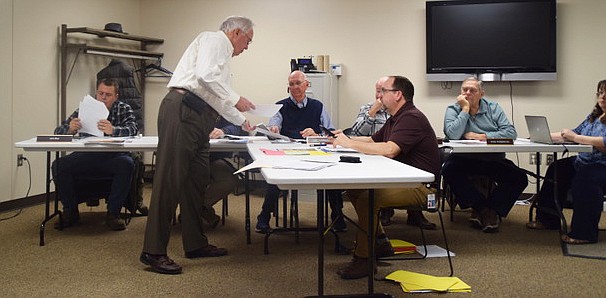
(297, 85)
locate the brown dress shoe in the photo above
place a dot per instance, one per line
(160, 263)
(208, 251)
(358, 268)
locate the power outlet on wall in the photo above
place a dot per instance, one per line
(533, 159)
(20, 160)
(549, 159)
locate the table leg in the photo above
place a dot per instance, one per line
(247, 203)
(320, 220)
(370, 239)
(47, 215)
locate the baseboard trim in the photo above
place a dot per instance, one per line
(23, 202)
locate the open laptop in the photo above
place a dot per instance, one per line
(539, 130)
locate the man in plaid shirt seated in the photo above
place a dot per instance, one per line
(119, 165)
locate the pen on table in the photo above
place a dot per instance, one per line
(317, 145)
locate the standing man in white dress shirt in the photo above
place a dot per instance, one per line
(199, 93)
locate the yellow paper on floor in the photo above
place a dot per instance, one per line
(417, 282)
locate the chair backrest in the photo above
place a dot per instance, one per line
(445, 152)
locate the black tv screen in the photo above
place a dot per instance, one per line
(491, 36)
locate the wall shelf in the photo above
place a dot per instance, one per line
(138, 50)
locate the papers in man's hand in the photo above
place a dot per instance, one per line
(265, 110)
(305, 165)
(90, 112)
(261, 128)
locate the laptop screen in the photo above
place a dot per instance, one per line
(538, 129)
(539, 132)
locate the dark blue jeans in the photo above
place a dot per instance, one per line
(78, 165)
(586, 184)
(510, 180)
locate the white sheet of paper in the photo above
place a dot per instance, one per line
(434, 251)
(90, 112)
(265, 110)
(254, 165)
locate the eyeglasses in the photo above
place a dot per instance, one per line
(383, 90)
(601, 93)
(296, 83)
(247, 37)
(106, 94)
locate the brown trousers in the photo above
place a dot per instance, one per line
(182, 173)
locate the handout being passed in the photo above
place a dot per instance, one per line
(265, 110)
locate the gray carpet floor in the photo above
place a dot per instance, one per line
(91, 261)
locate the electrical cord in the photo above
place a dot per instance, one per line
(29, 167)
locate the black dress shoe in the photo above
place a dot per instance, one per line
(208, 251)
(69, 218)
(213, 220)
(160, 263)
(144, 210)
(416, 218)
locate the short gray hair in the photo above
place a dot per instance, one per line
(474, 79)
(236, 22)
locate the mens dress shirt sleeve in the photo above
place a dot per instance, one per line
(325, 119)
(204, 69)
(366, 125)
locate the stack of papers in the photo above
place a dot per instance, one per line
(106, 142)
(304, 165)
(412, 282)
(402, 247)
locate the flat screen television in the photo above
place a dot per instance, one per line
(495, 40)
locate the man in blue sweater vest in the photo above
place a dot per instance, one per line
(299, 117)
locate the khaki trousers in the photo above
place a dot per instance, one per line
(389, 197)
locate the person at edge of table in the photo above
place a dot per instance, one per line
(222, 179)
(583, 175)
(473, 117)
(199, 93)
(371, 117)
(119, 165)
(407, 137)
(298, 118)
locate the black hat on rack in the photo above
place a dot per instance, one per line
(115, 27)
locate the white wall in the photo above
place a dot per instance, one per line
(7, 173)
(369, 38)
(33, 55)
